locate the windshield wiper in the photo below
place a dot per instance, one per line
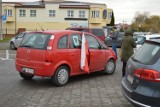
(136, 60)
(28, 46)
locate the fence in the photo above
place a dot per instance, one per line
(14, 31)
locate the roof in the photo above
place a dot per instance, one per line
(56, 31)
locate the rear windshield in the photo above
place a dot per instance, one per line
(140, 40)
(98, 32)
(35, 41)
(147, 54)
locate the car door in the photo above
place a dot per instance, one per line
(18, 39)
(97, 55)
(75, 52)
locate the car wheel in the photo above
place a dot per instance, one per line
(61, 76)
(12, 46)
(110, 67)
(26, 77)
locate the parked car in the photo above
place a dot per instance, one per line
(15, 41)
(55, 54)
(99, 32)
(140, 40)
(109, 40)
(141, 85)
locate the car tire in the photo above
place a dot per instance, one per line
(61, 76)
(12, 46)
(26, 77)
(110, 67)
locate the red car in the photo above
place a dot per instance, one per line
(56, 54)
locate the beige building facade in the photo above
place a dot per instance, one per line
(54, 15)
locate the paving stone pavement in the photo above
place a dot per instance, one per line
(94, 90)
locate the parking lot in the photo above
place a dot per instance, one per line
(94, 90)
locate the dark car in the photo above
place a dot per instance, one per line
(98, 32)
(109, 40)
(141, 85)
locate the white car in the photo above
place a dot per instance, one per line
(141, 39)
(15, 41)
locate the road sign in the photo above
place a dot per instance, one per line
(4, 18)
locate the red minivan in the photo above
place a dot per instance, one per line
(98, 32)
(55, 54)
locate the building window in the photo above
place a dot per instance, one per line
(32, 13)
(22, 13)
(109, 15)
(52, 13)
(8, 12)
(70, 13)
(95, 14)
(82, 14)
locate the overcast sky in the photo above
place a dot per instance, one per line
(124, 10)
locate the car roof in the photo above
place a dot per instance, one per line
(82, 28)
(56, 32)
(153, 41)
(152, 36)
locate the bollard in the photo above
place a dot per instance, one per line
(7, 54)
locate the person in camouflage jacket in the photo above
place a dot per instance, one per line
(128, 44)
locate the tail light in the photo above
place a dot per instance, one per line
(50, 43)
(49, 48)
(148, 74)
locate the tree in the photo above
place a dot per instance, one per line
(146, 23)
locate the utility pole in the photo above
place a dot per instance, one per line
(1, 35)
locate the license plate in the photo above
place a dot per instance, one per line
(130, 79)
(28, 71)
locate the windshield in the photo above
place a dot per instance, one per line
(98, 32)
(35, 40)
(147, 54)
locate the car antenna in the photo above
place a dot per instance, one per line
(41, 27)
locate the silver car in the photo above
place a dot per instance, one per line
(15, 41)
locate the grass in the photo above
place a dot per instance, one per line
(5, 39)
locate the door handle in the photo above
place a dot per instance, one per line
(72, 54)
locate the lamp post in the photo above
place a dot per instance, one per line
(1, 35)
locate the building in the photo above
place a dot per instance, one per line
(55, 14)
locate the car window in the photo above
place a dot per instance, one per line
(63, 41)
(92, 42)
(140, 39)
(153, 53)
(75, 41)
(19, 35)
(98, 32)
(36, 41)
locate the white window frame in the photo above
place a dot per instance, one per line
(8, 12)
(33, 13)
(95, 14)
(82, 14)
(70, 13)
(52, 13)
(22, 13)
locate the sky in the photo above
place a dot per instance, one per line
(124, 10)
